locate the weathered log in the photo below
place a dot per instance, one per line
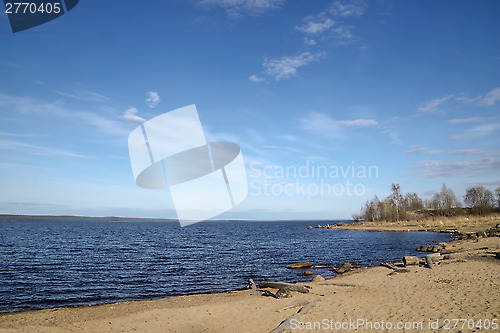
(299, 265)
(285, 325)
(394, 268)
(384, 264)
(260, 292)
(278, 285)
(410, 260)
(429, 262)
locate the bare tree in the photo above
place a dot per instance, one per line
(448, 200)
(497, 194)
(414, 202)
(396, 199)
(479, 199)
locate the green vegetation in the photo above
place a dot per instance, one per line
(398, 207)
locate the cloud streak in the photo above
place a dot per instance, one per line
(478, 131)
(467, 152)
(315, 25)
(321, 124)
(36, 149)
(433, 105)
(491, 98)
(105, 123)
(436, 169)
(84, 95)
(358, 122)
(235, 8)
(415, 150)
(466, 120)
(286, 67)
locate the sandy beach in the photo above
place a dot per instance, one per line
(419, 299)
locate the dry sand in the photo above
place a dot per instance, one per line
(463, 288)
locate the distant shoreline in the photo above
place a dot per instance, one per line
(77, 218)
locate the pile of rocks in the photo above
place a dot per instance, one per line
(327, 226)
(432, 248)
(492, 232)
(346, 267)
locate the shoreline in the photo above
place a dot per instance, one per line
(465, 287)
(125, 313)
(316, 269)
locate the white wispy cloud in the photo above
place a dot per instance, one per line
(36, 149)
(15, 134)
(153, 99)
(235, 8)
(255, 78)
(84, 95)
(326, 21)
(321, 124)
(131, 115)
(467, 152)
(310, 42)
(344, 34)
(478, 131)
(435, 169)
(106, 122)
(433, 105)
(347, 8)
(315, 25)
(358, 122)
(287, 66)
(466, 120)
(416, 149)
(490, 97)
(435, 152)
(395, 139)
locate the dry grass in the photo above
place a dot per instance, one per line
(469, 223)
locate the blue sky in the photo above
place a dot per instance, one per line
(410, 89)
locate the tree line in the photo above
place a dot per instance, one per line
(398, 206)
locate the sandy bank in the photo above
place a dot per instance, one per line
(461, 224)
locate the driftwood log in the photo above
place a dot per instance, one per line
(384, 264)
(394, 268)
(279, 285)
(285, 325)
(429, 262)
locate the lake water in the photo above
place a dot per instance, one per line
(52, 264)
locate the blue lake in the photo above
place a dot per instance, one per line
(50, 264)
